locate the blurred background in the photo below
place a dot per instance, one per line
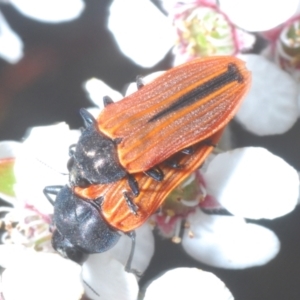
(46, 86)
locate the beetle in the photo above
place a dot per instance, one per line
(184, 106)
(86, 222)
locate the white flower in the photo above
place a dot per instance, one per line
(271, 105)
(45, 153)
(187, 283)
(38, 275)
(142, 32)
(283, 51)
(146, 42)
(204, 30)
(23, 224)
(228, 242)
(253, 183)
(33, 275)
(259, 15)
(249, 183)
(11, 46)
(105, 278)
(50, 11)
(38, 162)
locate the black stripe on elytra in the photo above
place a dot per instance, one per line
(232, 74)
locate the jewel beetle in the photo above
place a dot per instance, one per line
(89, 220)
(184, 106)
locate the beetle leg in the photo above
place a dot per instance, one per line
(92, 289)
(87, 117)
(139, 82)
(173, 164)
(98, 202)
(216, 211)
(132, 206)
(117, 141)
(188, 150)
(208, 142)
(133, 185)
(52, 190)
(128, 268)
(155, 173)
(107, 100)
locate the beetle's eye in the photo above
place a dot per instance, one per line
(70, 164)
(82, 182)
(76, 255)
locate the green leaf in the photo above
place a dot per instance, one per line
(7, 177)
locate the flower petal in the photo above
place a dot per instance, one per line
(253, 183)
(50, 11)
(229, 242)
(42, 161)
(104, 273)
(105, 278)
(9, 253)
(143, 251)
(97, 89)
(9, 149)
(42, 275)
(142, 32)
(258, 15)
(11, 46)
(187, 283)
(271, 105)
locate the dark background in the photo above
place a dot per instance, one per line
(46, 87)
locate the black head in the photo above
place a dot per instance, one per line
(95, 158)
(79, 228)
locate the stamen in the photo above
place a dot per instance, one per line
(176, 238)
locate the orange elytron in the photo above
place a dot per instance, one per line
(184, 106)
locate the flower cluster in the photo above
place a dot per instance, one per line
(211, 209)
